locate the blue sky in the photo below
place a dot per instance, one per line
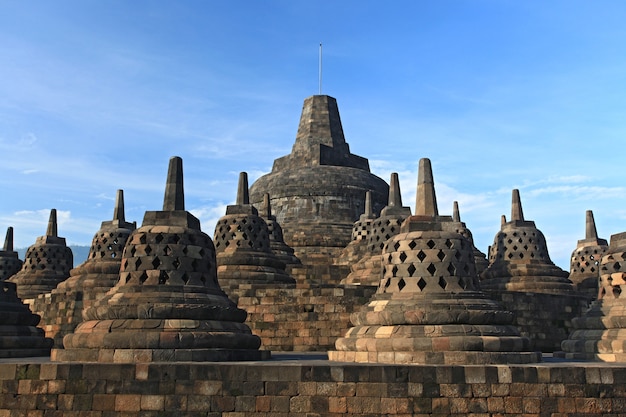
(97, 95)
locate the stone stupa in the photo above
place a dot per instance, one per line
(480, 259)
(62, 309)
(522, 277)
(428, 308)
(10, 263)
(277, 242)
(19, 335)
(318, 190)
(367, 270)
(167, 304)
(585, 260)
(600, 334)
(47, 262)
(361, 230)
(242, 245)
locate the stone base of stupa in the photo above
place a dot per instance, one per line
(436, 358)
(157, 355)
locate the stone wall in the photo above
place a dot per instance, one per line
(313, 388)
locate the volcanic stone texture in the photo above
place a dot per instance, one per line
(520, 265)
(47, 262)
(361, 230)
(277, 242)
(600, 333)
(19, 336)
(585, 261)
(317, 192)
(62, 309)
(428, 307)
(167, 305)
(10, 263)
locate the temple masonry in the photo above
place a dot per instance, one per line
(320, 294)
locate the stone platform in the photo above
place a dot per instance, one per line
(308, 385)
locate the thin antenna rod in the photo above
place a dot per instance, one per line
(320, 71)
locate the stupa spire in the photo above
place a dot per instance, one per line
(8, 241)
(425, 200)
(242, 190)
(52, 224)
(118, 211)
(502, 220)
(395, 197)
(267, 206)
(590, 226)
(368, 204)
(456, 216)
(174, 191)
(516, 207)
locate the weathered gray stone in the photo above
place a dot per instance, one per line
(10, 263)
(585, 261)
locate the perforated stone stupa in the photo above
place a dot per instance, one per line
(585, 261)
(277, 243)
(428, 308)
(242, 244)
(167, 305)
(600, 334)
(62, 309)
(361, 230)
(19, 336)
(47, 262)
(10, 263)
(318, 191)
(368, 269)
(480, 259)
(522, 277)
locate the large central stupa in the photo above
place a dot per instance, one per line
(318, 190)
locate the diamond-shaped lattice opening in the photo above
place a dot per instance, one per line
(137, 263)
(389, 258)
(617, 291)
(143, 277)
(411, 270)
(148, 250)
(421, 256)
(431, 269)
(532, 254)
(509, 241)
(396, 245)
(156, 262)
(514, 247)
(462, 283)
(387, 283)
(521, 255)
(401, 284)
(176, 263)
(617, 266)
(451, 269)
(441, 255)
(510, 255)
(403, 257)
(175, 238)
(159, 238)
(163, 277)
(442, 283)
(592, 269)
(448, 243)
(421, 284)
(431, 244)
(458, 255)
(412, 244)
(394, 270)
(167, 251)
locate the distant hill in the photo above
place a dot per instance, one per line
(80, 253)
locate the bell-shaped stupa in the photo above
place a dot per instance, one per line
(242, 244)
(367, 271)
(47, 262)
(10, 263)
(519, 259)
(62, 309)
(585, 261)
(277, 242)
(428, 308)
(600, 333)
(19, 335)
(522, 277)
(357, 248)
(480, 259)
(317, 191)
(167, 304)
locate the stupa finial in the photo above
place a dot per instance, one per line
(8, 241)
(52, 224)
(516, 207)
(395, 197)
(267, 206)
(174, 191)
(368, 204)
(590, 226)
(502, 220)
(456, 216)
(242, 190)
(118, 211)
(425, 200)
